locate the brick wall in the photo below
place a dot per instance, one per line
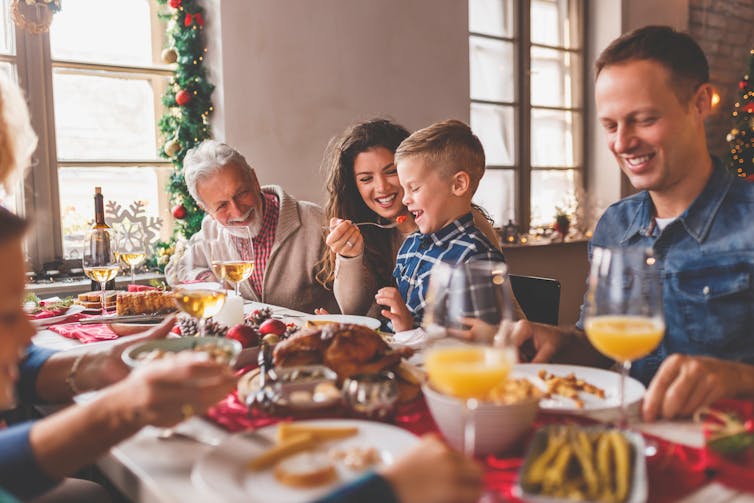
(725, 30)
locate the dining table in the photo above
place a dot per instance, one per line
(150, 469)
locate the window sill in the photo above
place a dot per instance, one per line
(74, 287)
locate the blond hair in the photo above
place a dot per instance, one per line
(17, 139)
(448, 146)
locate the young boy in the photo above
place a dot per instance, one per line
(439, 168)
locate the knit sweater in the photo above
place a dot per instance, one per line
(289, 279)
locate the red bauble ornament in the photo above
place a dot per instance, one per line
(743, 84)
(175, 3)
(182, 97)
(179, 211)
(749, 108)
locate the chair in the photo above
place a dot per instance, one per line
(538, 297)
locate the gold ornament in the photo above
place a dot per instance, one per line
(172, 147)
(169, 55)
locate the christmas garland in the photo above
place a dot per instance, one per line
(20, 11)
(185, 123)
(741, 137)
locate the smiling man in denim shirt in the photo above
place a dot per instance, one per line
(652, 95)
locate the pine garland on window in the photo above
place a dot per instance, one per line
(185, 123)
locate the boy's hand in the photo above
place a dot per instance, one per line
(397, 311)
(345, 238)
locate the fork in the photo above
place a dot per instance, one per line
(391, 225)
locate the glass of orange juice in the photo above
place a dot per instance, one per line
(624, 319)
(468, 318)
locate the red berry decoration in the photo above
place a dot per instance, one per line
(175, 3)
(246, 335)
(272, 326)
(179, 211)
(749, 108)
(749, 426)
(742, 84)
(182, 97)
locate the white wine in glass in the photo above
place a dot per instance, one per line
(99, 259)
(623, 318)
(232, 256)
(199, 303)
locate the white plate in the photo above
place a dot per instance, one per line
(222, 471)
(366, 321)
(605, 379)
(74, 309)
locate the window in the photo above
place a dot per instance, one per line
(526, 74)
(95, 107)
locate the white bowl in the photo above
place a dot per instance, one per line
(132, 355)
(497, 427)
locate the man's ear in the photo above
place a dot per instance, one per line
(702, 100)
(461, 183)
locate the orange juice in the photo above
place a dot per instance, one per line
(467, 371)
(624, 338)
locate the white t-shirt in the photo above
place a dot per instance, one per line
(663, 222)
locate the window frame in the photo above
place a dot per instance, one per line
(39, 197)
(522, 105)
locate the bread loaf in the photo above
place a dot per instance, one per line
(152, 301)
(307, 469)
(93, 300)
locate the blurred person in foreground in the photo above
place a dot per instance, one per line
(652, 95)
(286, 233)
(36, 455)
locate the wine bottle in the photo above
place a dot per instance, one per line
(100, 224)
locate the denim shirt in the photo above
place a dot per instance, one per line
(706, 257)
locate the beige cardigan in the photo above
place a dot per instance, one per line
(289, 279)
(355, 285)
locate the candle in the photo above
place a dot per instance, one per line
(232, 312)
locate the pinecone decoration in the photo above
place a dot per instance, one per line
(259, 316)
(190, 327)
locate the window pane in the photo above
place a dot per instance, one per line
(122, 185)
(7, 36)
(550, 189)
(495, 127)
(555, 23)
(104, 117)
(491, 17)
(496, 194)
(491, 63)
(555, 138)
(122, 31)
(554, 78)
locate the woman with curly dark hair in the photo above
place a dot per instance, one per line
(362, 185)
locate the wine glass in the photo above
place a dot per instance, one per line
(468, 320)
(99, 259)
(199, 302)
(131, 249)
(623, 317)
(232, 257)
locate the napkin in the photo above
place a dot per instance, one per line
(85, 333)
(415, 339)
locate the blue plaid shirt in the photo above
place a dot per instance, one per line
(458, 242)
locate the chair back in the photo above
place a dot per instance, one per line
(539, 298)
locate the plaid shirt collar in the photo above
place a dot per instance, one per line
(263, 241)
(459, 226)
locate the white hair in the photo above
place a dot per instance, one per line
(206, 159)
(17, 139)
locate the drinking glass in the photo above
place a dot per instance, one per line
(468, 320)
(131, 249)
(623, 317)
(99, 259)
(200, 302)
(232, 257)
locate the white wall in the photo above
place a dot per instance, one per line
(294, 73)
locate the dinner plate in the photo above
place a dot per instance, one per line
(366, 321)
(74, 309)
(605, 379)
(222, 471)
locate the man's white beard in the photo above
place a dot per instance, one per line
(254, 227)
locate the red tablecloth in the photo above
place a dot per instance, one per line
(674, 471)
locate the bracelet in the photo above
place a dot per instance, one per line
(70, 379)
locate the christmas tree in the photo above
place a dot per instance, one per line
(185, 123)
(741, 137)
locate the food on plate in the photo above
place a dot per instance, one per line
(46, 308)
(305, 470)
(215, 353)
(320, 433)
(581, 464)
(356, 457)
(514, 391)
(347, 349)
(319, 323)
(152, 301)
(247, 335)
(569, 386)
(292, 445)
(93, 300)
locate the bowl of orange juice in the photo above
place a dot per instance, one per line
(506, 407)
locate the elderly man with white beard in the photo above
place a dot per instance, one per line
(286, 233)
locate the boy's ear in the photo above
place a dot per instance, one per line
(461, 183)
